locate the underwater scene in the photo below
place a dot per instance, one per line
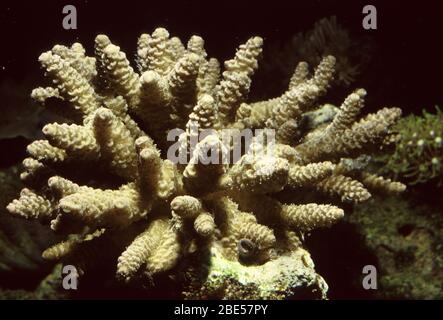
(221, 150)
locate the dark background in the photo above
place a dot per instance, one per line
(405, 70)
(406, 65)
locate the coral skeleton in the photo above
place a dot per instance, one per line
(103, 178)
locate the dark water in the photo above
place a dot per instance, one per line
(404, 67)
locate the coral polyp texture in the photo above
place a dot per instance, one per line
(106, 180)
(418, 155)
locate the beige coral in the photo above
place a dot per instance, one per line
(103, 176)
(157, 248)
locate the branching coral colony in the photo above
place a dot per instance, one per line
(100, 177)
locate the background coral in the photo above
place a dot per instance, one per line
(20, 115)
(406, 239)
(326, 37)
(102, 179)
(49, 288)
(21, 242)
(418, 155)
